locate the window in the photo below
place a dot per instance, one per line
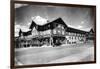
(54, 31)
(72, 37)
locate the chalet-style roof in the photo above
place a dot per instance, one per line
(69, 29)
(52, 25)
(91, 31)
(33, 24)
(25, 33)
(20, 31)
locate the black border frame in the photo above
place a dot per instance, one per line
(12, 19)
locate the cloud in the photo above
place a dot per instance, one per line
(88, 29)
(24, 28)
(79, 27)
(17, 28)
(28, 24)
(39, 20)
(71, 26)
(82, 22)
(20, 5)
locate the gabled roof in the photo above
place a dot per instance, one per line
(25, 33)
(33, 24)
(59, 21)
(50, 25)
(54, 24)
(69, 29)
(20, 31)
(91, 31)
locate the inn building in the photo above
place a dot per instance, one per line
(55, 33)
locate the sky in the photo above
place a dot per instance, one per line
(76, 17)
